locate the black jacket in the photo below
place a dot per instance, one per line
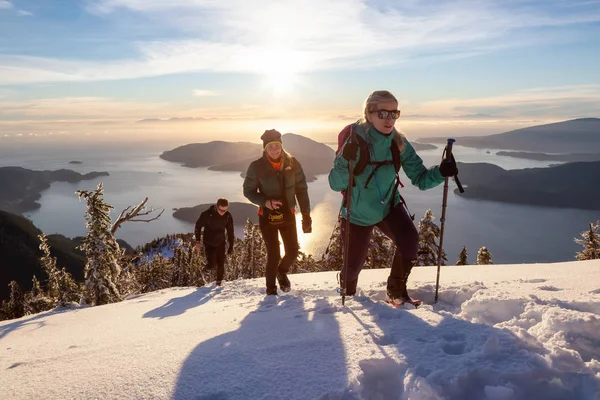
(214, 226)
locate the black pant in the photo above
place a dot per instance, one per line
(215, 256)
(401, 230)
(290, 243)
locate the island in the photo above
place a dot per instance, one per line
(239, 211)
(572, 185)
(316, 158)
(20, 188)
(567, 137)
(550, 157)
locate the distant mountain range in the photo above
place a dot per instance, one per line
(20, 188)
(551, 157)
(573, 185)
(574, 136)
(240, 212)
(316, 158)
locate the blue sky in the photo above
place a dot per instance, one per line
(473, 67)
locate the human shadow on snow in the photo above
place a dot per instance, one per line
(280, 351)
(179, 305)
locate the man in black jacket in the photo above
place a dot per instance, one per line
(215, 221)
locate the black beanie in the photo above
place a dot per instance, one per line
(270, 136)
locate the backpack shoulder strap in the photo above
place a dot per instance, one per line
(352, 135)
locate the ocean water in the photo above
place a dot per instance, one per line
(512, 233)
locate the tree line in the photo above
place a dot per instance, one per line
(110, 275)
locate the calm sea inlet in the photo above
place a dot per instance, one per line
(512, 233)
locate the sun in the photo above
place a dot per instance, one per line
(281, 82)
(280, 68)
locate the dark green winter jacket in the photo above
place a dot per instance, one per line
(263, 182)
(371, 204)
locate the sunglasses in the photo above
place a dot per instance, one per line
(385, 114)
(221, 210)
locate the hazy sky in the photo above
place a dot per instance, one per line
(90, 68)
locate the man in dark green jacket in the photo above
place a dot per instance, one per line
(274, 182)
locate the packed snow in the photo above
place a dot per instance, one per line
(498, 332)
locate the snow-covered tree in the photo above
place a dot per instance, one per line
(49, 266)
(102, 250)
(590, 240)
(429, 234)
(69, 291)
(255, 251)
(15, 307)
(380, 251)
(333, 258)
(484, 257)
(154, 274)
(305, 263)
(462, 257)
(234, 263)
(36, 300)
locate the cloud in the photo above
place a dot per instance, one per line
(4, 5)
(23, 13)
(300, 36)
(79, 107)
(204, 93)
(550, 102)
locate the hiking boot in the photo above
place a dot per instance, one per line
(271, 292)
(219, 283)
(284, 283)
(401, 296)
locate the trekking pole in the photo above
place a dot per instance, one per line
(347, 233)
(447, 156)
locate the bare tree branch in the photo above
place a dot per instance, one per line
(134, 214)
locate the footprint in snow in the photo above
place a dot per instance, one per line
(549, 288)
(538, 280)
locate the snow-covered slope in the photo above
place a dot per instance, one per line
(498, 332)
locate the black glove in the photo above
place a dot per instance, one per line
(230, 250)
(448, 168)
(306, 223)
(350, 151)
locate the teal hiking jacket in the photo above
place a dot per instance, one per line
(372, 204)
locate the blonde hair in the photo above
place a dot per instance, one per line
(370, 106)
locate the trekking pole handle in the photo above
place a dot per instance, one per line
(449, 148)
(449, 156)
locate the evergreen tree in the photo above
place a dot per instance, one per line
(429, 233)
(462, 257)
(49, 266)
(255, 251)
(248, 258)
(306, 263)
(155, 274)
(69, 291)
(15, 307)
(333, 258)
(590, 242)
(484, 257)
(234, 263)
(380, 250)
(102, 251)
(36, 300)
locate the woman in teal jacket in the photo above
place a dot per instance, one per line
(375, 198)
